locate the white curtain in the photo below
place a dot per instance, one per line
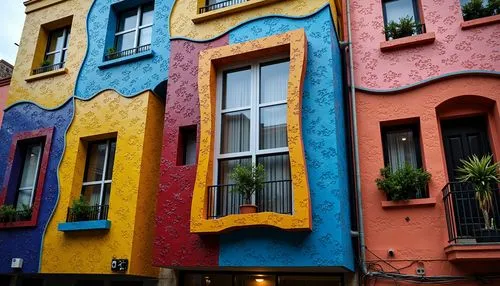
(237, 87)
(274, 82)
(276, 195)
(272, 127)
(401, 149)
(235, 135)
(29, 175)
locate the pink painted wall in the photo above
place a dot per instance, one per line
(453, 50)
(424, 236)
(4, 89)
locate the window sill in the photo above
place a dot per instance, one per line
(46, 75)
(84, 225)
(408, 42)
(219, 13)
(427, 202)
(472, 252)
(128, 59)
(18, 224)
(480, 22)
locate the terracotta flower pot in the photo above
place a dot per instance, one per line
(248, 209)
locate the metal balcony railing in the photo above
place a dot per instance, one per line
(22, 215)
(275, 196)
(48, 68)
(220, 5)
(465, 219)
(97, 212)
(126, 53)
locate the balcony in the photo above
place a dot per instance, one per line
(44, 69)
(276, 197)
(91, 218)
(127, 53)
(469, 235)
(219, 5)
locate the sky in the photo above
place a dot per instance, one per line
(12, 21)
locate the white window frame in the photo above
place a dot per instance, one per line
(254, 107)
(103, 180)
(35, 178)
(63, 51)
(137, 29)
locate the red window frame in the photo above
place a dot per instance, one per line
(46, 135)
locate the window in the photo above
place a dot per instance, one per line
(187, 146)
(98, 172)
(134, 28)
(31, 154)
(211, 5)
(56, 51)
(474, 9)
(395, 11)
(252, 129)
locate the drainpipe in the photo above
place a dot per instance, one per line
(354, 122)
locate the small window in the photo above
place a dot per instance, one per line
(56, 51)
(395, 13)
(187, 146)
(475, 9)
(401, 146)
(98, 172)
(31, 154)
(134, 28)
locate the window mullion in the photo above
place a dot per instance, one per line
(254, 95)
(137, 24)
(104, 172)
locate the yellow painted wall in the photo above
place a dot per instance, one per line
(53, 91)
(181, 24)
(137, 124)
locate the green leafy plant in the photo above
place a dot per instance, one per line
(46, 63)
(112, 53)
(405, 27)
(80, 209)
(482, 174)
(26, 212)
(404, 183)
(7, 213)
(248, 180)
(475, 9)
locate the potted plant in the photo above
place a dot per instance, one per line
(405, 27)
(473, 10)
(248, 180)
(80, 209)
(391, 30)
(7, 213)
(482, 174)
(26, 212)
(45, 63)
(111, 53)
(403, 184)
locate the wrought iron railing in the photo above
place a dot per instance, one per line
(275, 196)
(22, 215)
(417, 30)
(465, 219)
(48, 68)
(220, 5)
(97, 212)
(126, 53)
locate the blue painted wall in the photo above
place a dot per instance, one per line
(131, 78)
(26, 242)
(329, 244)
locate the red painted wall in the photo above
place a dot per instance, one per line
(419, 233)
(174, 245)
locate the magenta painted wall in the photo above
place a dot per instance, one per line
(453, 50)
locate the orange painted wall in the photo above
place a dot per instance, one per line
(424, 236)
(4, 89)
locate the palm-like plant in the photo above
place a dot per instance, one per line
(482, 174)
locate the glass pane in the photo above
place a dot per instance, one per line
(272, 127)
(145, 36)
(31, 161)
(125, 41)
(111, 160)
(23, 199)
(189, 137)
(236, 89)
(96, 153)
(235, 133)
(52, 58)
(128, 20)
(274, 82)
(226, 166)
(277, 167)
(394, 10)
(147, 14)
(107, 193)
(401, 149)
(276, 196)
(92, 194)
(56, 40)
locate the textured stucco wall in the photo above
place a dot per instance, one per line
(26, 242)
(453, 50)
(129, 118)
(53, 91)
(425, 235)
(127, 79)
(329, 243)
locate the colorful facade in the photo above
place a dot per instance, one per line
(428, 100)
(4, 89)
